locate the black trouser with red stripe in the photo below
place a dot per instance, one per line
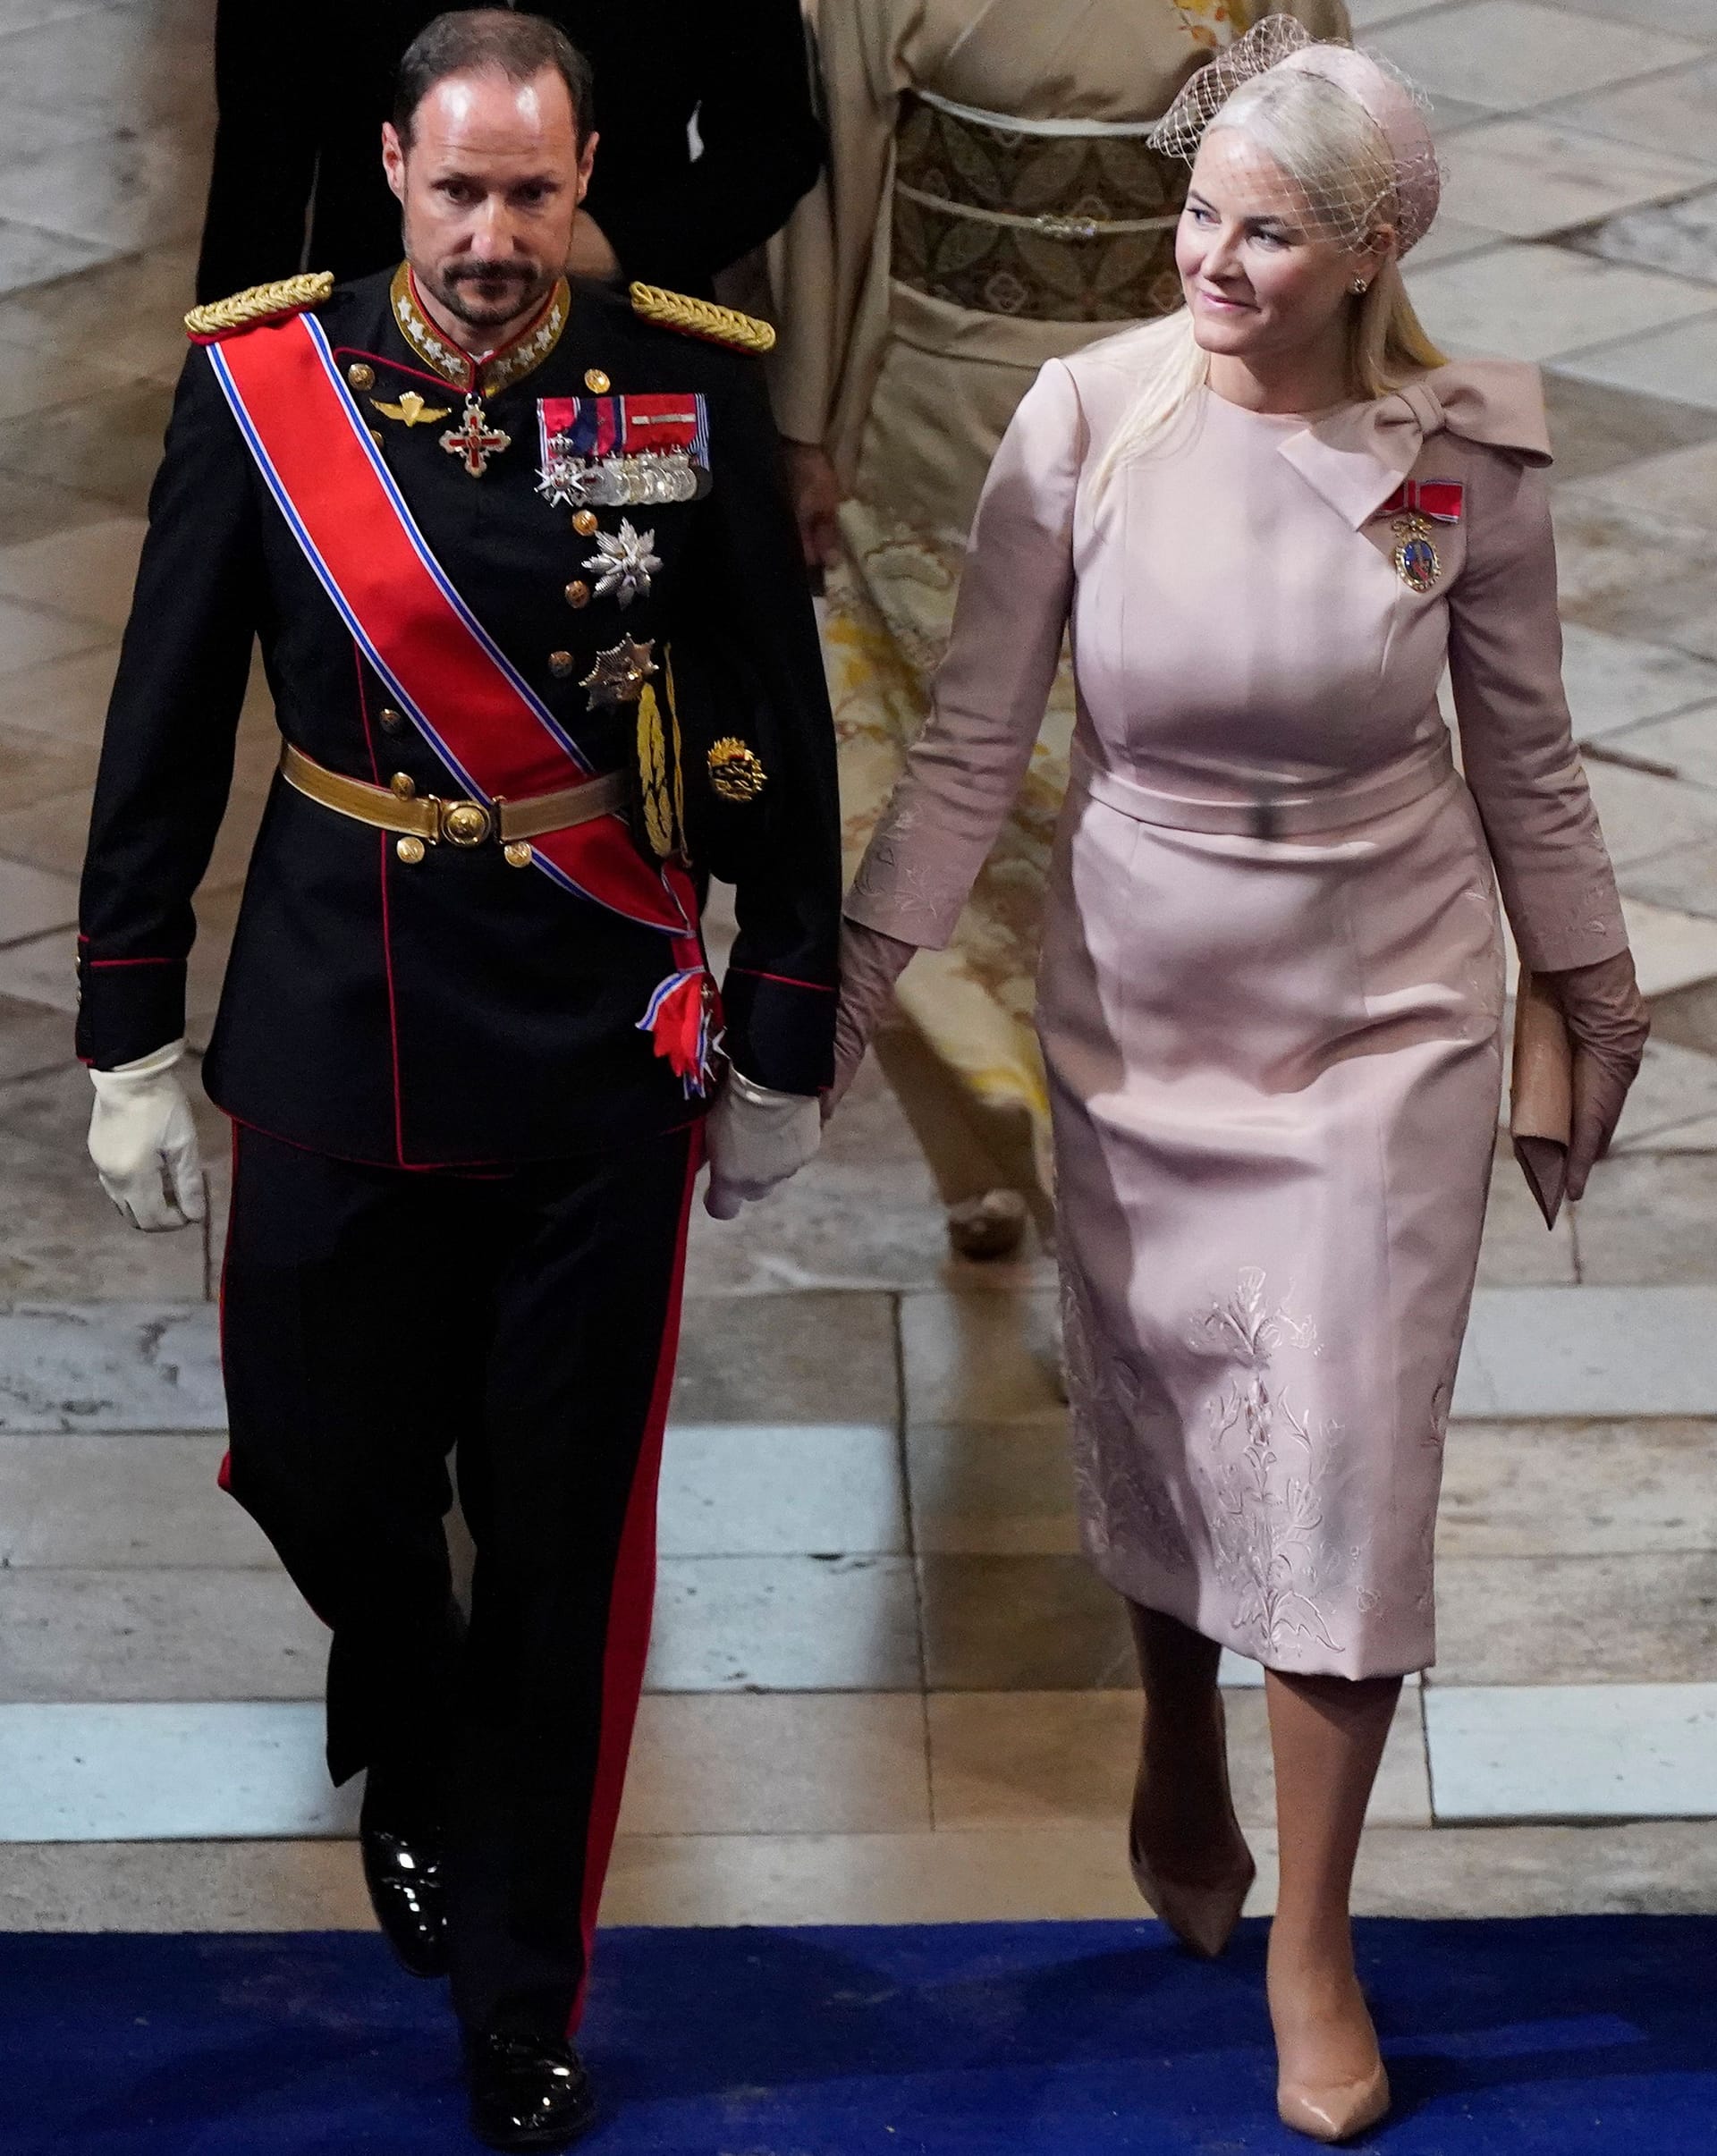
(376, 1321)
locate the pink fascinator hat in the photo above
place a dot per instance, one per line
(1394, 106)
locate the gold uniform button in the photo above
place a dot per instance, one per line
(577, 592)
(361, 376)
(375, 437)
(518, 854)
(596, 382)
(559, 664)
(584, 522)
(403, 784)
(393, 722)
(409, 851)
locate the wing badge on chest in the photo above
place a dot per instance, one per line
(622, 453)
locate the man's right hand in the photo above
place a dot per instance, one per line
(816, 503)
(144, 1143)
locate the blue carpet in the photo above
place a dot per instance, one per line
(1562, 2036)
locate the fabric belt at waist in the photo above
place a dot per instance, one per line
(456, 823)
(1273, 813)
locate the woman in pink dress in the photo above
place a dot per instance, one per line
(1271, 987)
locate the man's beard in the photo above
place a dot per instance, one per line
(523, 287)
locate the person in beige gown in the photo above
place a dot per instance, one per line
(1272, 987)
(991, 202)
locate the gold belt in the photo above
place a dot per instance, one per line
(430, 820)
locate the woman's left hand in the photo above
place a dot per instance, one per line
(1607, 1025)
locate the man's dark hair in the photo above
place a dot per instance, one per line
(470, 39)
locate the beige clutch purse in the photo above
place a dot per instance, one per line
(1541, 1095)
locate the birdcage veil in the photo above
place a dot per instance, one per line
(1257, 86)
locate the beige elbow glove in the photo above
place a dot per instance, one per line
(144, 1143)
(871, 962)
(756, 1138)
(1607, 1025)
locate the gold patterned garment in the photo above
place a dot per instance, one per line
(990, 204)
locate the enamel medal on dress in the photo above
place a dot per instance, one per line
(1415, 505)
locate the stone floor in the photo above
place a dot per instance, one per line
(869, 1577)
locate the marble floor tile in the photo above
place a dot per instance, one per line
(1449, 239)
(1559, 1752)
(1676, 611)
(33, 636)
(1042, 1759)
(1368, 14)
(32, 1040)
(981, 1358)
(1685, 879)
(806, 1762)
(1596, 1349)
(785, 1624)
(86, 572)
(1657, 1867)
(33, 900)
(128, 191)
(1022, 1624)
(33, 766)
(1675, 1086)
(1688, 1017)
(1684, 18)
(1680, 361)
(60, 1240)
(1643, 815)
(781, 1489)
(1686, 742)
(1669, 111)
(991, 1489)
(110, 1366)
(64, 701)
(1605, 551)
(179, 1633)
(237, 1769)
(104, 1503)
(1526, 177)
(1618, 682)
(148, 292)
(1535, 302)
(184, 1886)
(1595, 428)
(1647, 1218)
(1680, 485)
(1671, 949)
(141, 73)
(1679, 237)
(1578, 1489)
(30, 254)
(1639, 1617)
(834, 1363)
(35, 379)
(1505, 53)
(107, 446)
(923, 1878)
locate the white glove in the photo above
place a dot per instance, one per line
(756, 1139)
(144, 1143)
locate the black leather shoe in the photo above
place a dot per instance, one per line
(527, 2092)
(408, 1892)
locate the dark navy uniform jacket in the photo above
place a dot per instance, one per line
(459, 1011)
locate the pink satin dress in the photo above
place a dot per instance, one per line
(1272, 987)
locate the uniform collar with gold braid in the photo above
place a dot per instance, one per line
(496, 371)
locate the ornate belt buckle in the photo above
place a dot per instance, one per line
(465, 822)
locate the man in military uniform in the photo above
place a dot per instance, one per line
(543, 658)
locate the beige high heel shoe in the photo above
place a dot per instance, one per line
(1337, 2113)
(1202, 1917)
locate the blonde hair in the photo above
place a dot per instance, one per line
(1340, 173)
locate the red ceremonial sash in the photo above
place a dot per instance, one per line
(487, 726)
(1438, 499)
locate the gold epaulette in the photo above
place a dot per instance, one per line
(275, 302)
(702, 318)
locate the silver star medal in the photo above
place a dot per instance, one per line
(562, 482)
(624, 564)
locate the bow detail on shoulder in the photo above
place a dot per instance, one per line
(1359, 456)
